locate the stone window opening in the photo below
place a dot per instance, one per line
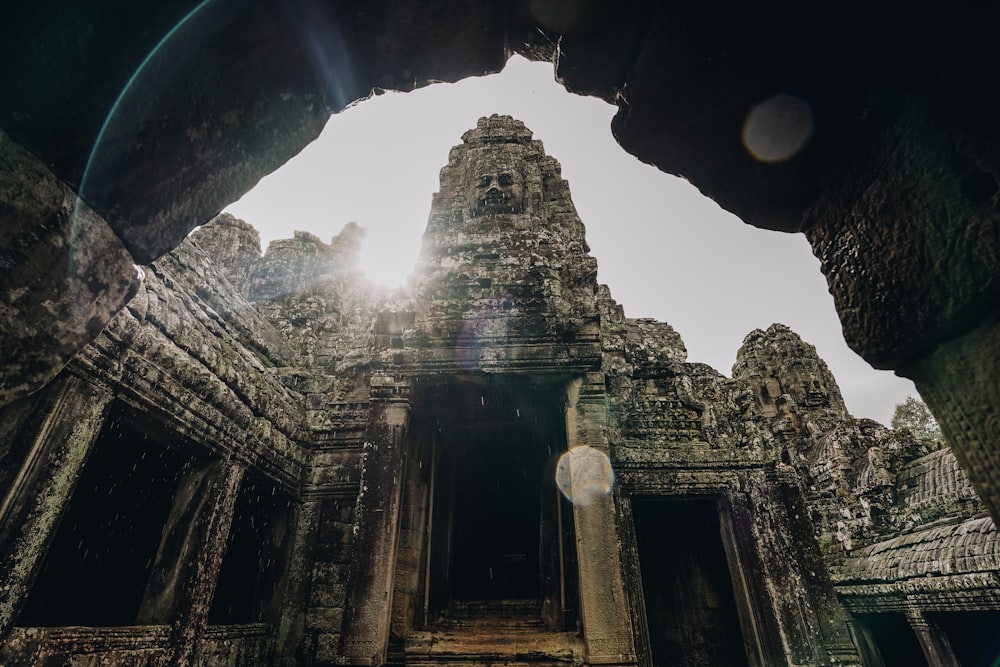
(888, 639)
(251, 579)
(96, 570)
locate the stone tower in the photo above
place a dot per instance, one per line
(504, 280)
(486, 359)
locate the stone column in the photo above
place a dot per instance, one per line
(189, 557)
(933, 641)
(959, 382)
(366, 618)
(633, 581)
(801, 622)
(42, 490)
(291, 622)
(607, 625)
(865, 643)
(758, 629)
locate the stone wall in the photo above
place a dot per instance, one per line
(192, 366)
(234, 246)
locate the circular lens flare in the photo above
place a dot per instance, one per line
(777, 128)
(584, 475)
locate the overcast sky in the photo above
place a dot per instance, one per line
(665, 250)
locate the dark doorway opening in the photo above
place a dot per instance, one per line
(893, 637)
(498, 476)
(249, 586)
(498, 529)
(96, 569)
(690, 606)
(974, 635)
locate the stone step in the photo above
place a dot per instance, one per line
(495, 608)
(539, 648)
(474, 661)
(488, 633)
(489, 625)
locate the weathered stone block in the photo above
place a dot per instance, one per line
(64, 273)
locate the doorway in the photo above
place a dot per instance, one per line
(893, 640)
(686, 584)
(496, 507)
(97, 568)
(973, 635)
(498, 529)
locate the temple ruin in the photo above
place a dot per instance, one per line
(270, 460)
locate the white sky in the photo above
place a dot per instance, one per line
(665, 250)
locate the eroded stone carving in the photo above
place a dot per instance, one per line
(494, 185)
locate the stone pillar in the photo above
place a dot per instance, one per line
(758, 629)
(291, 622)
(366, 618)
(865, 643)
(42, 490)
(189, 557)
(633, 581)
(933, 641)
(607, 625)
(806, 624)
(959, 382)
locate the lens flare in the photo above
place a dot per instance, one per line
(119, 141)
(485, 340)
(584, 475)
(777, 128)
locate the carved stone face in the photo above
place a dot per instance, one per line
(494, 188)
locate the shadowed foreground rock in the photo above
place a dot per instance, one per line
(271, 460)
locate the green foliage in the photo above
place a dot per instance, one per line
(914, 415)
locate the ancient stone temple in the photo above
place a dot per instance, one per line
(270, 460)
